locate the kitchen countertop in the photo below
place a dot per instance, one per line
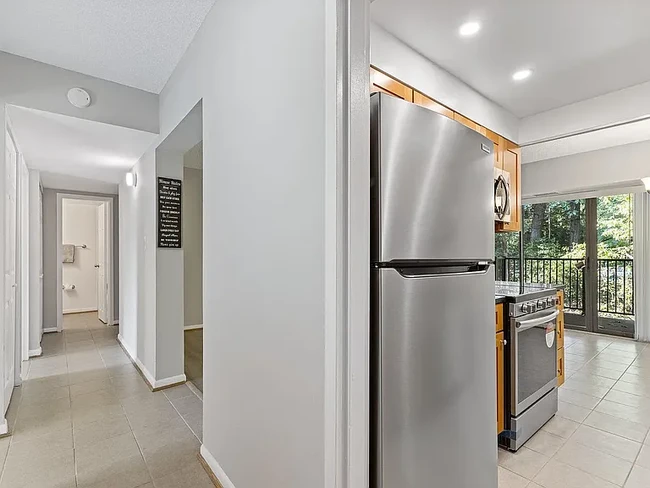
(512, 291)
(499, 299)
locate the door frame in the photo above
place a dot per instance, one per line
(23, 244)
(110, 246)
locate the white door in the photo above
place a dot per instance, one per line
(40, 254)
(102, 285)
(10, 271)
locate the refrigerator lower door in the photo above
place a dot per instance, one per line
(433, 380)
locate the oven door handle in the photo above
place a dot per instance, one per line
(528, 324)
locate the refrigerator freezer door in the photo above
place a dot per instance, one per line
(433, 382)
(432, 185)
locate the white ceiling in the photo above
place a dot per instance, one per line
(136, 43)
(578, 49)
(81, 148)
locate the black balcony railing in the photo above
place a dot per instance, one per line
(615, 280)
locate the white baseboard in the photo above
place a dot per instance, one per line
(4, 427)
(50, 329)
(35, 352)
(125, 346)
(115, 322)
(172, 380)
(216, 468)
(80, 310)
(193, 327)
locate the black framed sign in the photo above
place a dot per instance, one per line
(169, 213)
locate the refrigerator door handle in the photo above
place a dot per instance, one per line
(445, 270)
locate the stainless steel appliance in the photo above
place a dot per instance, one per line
(532, 362)
(433, 398)
(502, 202)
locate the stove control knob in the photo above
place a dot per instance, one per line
(541, 304)
(550, 302)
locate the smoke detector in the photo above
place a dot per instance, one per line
(79, 97)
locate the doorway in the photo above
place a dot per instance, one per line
(585, 245)
(85, 251)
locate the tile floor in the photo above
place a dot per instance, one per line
(85, 418)
(599, 438)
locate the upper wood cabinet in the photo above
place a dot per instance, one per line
(507, 155)
(431, 104)
(379, 82)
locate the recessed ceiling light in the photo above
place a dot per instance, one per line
(522, 74)
(469, 29)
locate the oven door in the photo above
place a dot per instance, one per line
(533, 358)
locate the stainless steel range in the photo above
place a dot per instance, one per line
(532, 360)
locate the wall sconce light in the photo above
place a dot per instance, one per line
(131, 179)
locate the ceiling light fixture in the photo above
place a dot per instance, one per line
(79, 97)
(469, 29)
(131, 179)
(522, 74)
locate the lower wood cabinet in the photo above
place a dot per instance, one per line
(560, 338)
(560, 366)
(501, 398)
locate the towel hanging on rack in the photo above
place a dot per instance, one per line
(68, 253)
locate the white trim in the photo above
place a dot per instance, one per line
(4, 428)
(120, 339)
(115, 322)
(217, 470)
(172, 380)
(79, 310)
(193, 327)
(48, 330)
(145, 372)
(35, 352)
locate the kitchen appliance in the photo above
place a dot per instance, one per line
(501, 195)
(433, 369)
(532, 360)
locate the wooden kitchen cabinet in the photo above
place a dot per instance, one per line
(379, 82)
(559, 331)
(470, 123)
(423, 100)
(498, 313)
(560, 338)
(512, 164)
(560, 366)
(501, 395)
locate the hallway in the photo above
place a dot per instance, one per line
(85, 418)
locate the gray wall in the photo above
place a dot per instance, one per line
(50, 285)
(193, 245)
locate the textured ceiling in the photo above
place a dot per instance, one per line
(137, 43)
(77, 147)
(578, 49)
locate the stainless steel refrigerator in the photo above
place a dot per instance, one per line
(433, 367)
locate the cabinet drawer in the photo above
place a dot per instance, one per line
(498, 312)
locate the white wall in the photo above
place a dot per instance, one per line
(193, 244)
(265, 166)
(397, 59)
(35, 262)
(587, 170)
(79, 227)
(31, 84)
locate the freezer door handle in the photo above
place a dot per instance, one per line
(444, 270)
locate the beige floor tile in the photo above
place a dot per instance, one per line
(559, 475)
(639, 478)
(104, 413)
(599, 370)
(49, 445)
(579, 384)
(60, 406)
(176, 392)
(610, 468)
(34, 428)
(545, 443)
(611, 444)
(95, 432)
(628, 346)
(640, 388)
(579, 399)
(561, 427)
(600, 362)
(572, 412)
(631, 399)
(625, 412)
(189, 405)
(4, 448)
(615, 425)
(51, 471)
(195, 423)
(644, 457)
(44, 395)
(191, 475)
(524, 462)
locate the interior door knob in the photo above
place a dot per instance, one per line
(97, 266)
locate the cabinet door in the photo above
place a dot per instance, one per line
(560, 330)
(498, 313)
(560, 299)
(512, 164)
(501, 398)
(379, 82)
(431, 104)
(560, 367)
(470, 123)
